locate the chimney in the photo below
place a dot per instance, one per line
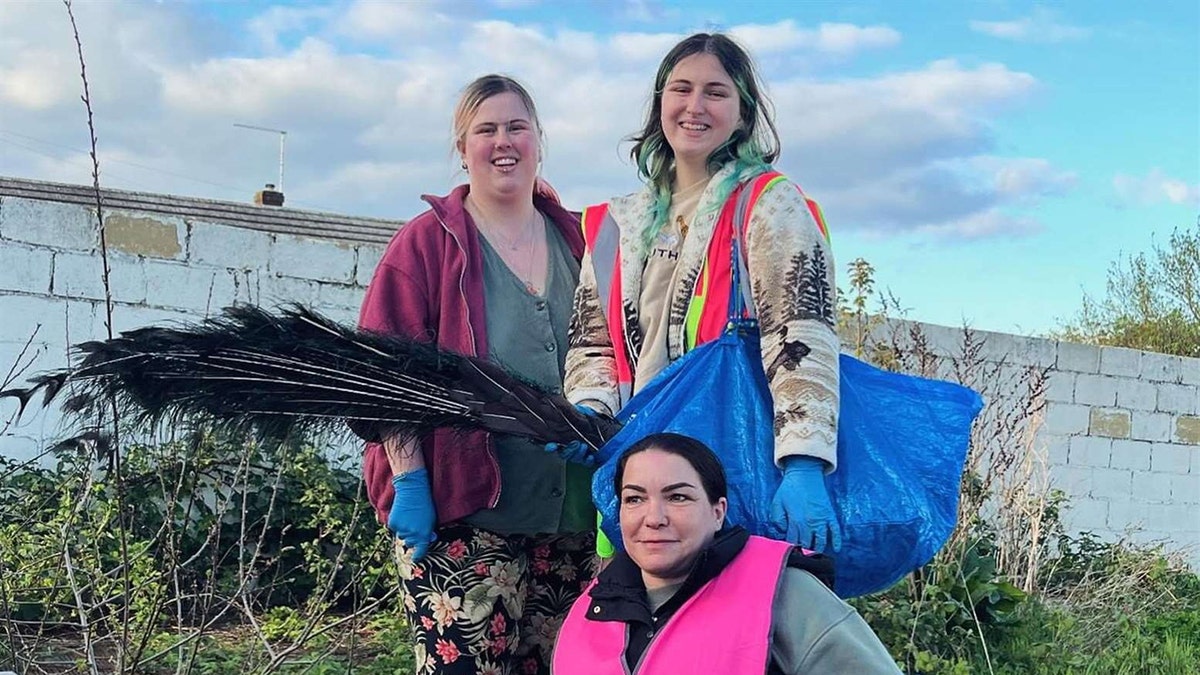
(268, 196)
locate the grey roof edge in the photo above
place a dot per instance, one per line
(282, 220)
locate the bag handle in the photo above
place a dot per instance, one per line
(741, 295)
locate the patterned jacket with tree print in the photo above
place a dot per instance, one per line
(792, 281)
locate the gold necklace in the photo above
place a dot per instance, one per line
(679, 220)
(513, 245)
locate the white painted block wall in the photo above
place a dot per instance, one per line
(1121, 430)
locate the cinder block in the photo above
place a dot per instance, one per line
(312, 259)
(85, 320)
(129, 317)
(1109, 422)
(368, 259)
(53, 224)
(145, 235)
(82, 276)
(1096, 390)
(1187, 429)
(1179, 399)
(1019, 350)
(1147, 537)
(1064, 419)
(1087, 515)
(25, 268)
(943, 341)
(41, 318)
(1126, 515)
(1133, 455)
(233, 247)
(1078, 358)
(1152, 487)
(24, 360)
(1112, 484)
(1189, 372)
(332, 297)
(276, 290)
(1057, 449)
(1170, 516)
(1185, 489)
(1090, 451)
(192, 289)
(1136, 395)
(246, 286)
(1060, 386)
(1171, 457)
(346, 316)
(1148, 426)
(1120, 362)
(1076, 481)
(1161, 367)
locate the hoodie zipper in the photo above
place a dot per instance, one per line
(462, 279)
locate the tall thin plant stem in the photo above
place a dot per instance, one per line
(115, 457)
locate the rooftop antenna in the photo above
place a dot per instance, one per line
(282, 141)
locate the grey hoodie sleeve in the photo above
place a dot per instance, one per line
(815, 633)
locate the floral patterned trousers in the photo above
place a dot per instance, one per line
(480, 603)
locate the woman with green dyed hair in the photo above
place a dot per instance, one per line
(657, 277)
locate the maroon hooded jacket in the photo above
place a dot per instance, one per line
(429, 286)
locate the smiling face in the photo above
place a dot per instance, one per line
(666, 516)
(700, 109)
(500, 148)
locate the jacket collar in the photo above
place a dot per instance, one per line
(620, 593)
(451, 210)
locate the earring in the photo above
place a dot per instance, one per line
(464, 165)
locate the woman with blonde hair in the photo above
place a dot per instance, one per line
(495, 537)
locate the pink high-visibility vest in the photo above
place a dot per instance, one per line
(724, 628)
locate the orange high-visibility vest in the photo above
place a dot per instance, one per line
(708, 310)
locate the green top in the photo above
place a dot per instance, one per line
(539, 492)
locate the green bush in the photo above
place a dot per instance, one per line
(184, 537)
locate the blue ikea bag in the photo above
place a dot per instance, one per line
(902, 442)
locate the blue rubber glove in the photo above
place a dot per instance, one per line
(412, 517)
(576, 451)
(801, 510)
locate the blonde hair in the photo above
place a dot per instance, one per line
(483, 88)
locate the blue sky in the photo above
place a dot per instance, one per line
(990, 159)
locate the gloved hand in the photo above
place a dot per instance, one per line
(576, 451)
(801, 510)
(412, 517)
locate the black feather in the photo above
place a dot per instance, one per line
(273, 375)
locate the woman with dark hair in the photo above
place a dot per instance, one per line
(654, 283)
(691, 594)
(494, 536)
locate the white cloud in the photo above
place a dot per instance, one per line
(648, 47)
(368, 128)
(1156, 187)
(909, 151)
(277, 21)
(1040, 26)
(1024, 178)
(35, 81)
(376, 20)
(987, 224)
(829, 38)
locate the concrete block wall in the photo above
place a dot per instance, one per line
(1120, 433)
(1121, 428)
(1126, 428)
(162, 268)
